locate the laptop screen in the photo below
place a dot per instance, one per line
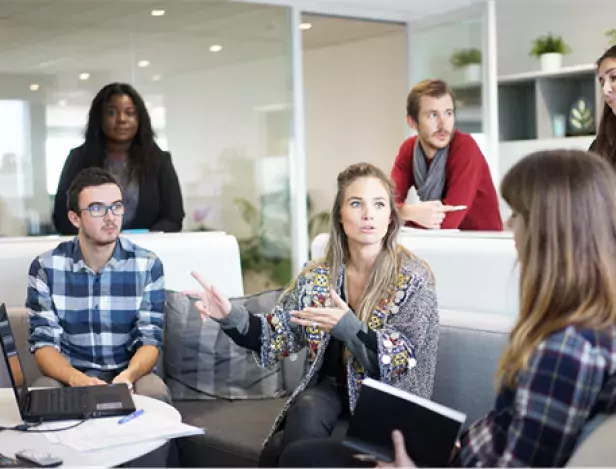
(13, 365)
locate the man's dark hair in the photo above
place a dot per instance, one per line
(89, 177)
(432, 88)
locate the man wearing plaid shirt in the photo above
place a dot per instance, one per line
(95, 303)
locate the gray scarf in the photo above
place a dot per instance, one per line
(429, 183)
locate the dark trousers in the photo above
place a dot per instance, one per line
(314, 414)
(320, 453)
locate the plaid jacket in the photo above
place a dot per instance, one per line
(96, 320)
(569, 379)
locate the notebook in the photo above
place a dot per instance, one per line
(430, 430)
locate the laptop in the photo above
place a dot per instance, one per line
(42, 405)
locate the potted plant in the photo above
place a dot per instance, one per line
(470, 61)
(611, 37)
(550, 49)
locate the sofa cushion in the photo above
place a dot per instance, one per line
(18, 317)
(598, 449)
(470, 345)
(206, 363)
(235, 431)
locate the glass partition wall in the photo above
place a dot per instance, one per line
(217, 80)
(251, 102)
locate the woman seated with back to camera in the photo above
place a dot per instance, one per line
(367, 309)
(557, 376)
(120, 139)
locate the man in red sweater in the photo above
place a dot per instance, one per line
(446, 167)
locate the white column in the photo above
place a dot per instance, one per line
(297, 151)
(490, 90)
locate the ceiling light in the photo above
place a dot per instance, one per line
(143, 63)
(305, 26)
(215, 48)
(158, 12)
(34, 87)
(62, 102)
(156, 77)
(84, 76)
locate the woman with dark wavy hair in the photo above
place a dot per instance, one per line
(605, 143)
(120, 139)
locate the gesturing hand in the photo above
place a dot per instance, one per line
(210, 303)
(402, 458)
(429, 214)
(323, 318)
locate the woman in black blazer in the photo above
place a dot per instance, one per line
(119, 138)
(605, 143)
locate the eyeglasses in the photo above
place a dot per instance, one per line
(100, 210)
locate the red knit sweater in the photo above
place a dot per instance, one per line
(467, 182)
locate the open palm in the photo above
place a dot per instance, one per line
(210, 303)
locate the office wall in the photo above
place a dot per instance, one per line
(355, 109)
(582, 24)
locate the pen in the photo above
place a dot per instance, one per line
(130, 417)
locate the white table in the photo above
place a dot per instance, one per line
(11, 441)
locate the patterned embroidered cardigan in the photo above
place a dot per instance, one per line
(405, 322)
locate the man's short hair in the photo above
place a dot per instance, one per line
(89, 177)
(432, 88)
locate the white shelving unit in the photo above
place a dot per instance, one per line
(529, 102)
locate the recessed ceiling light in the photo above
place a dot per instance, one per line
(156, 77)
(158, 12)
(143, 63)
(305, 26)
(84, 76)
(215, 48)
(62, 102)
(34, 87)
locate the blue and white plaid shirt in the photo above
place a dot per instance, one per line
(96, 320)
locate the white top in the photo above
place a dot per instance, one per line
(12, 441)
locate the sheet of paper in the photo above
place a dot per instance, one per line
(103, 433)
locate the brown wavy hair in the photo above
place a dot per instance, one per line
(567, 249)
(606, 135)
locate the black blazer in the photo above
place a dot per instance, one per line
(160, 206)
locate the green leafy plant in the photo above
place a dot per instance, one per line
(549, 44)
(462, 58)
(267, 249)
(611, 37)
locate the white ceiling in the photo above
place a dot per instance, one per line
(50, 42)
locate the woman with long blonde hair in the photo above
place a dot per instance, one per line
(368, 309)
(558, 372)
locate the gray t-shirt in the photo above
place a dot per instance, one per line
(130, 189)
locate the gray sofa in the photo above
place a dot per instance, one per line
(468, 352)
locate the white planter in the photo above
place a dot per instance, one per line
(551, 62)
(472, 73)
